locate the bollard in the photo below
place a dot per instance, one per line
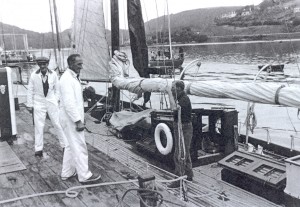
(147, 181)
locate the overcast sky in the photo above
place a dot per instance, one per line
(34, 15)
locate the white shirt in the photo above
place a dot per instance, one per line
(35, 93)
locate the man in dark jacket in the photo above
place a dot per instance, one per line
(183, 165)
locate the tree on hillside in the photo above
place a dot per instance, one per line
(266, 4)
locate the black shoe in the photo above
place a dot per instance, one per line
(38, 153)
(66, 178)
(94, 178)
(175, 184)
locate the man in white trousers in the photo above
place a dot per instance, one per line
(42, 98)
(75, 161)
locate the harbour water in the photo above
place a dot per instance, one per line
(237, 63)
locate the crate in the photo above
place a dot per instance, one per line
(255, 173)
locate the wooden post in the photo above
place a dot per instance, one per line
(115, 45)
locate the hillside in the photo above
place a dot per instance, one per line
(201, 20)
(270, 12)
(261, 21)
(198, 25)
(35, 40)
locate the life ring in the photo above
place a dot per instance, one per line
(163, 128)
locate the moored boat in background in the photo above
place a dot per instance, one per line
(174, 63)
(272, 68)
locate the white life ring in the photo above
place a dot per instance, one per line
(163, 127)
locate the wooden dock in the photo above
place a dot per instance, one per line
(117, 161)
(43, 175)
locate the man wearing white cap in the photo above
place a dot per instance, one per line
(42, 98)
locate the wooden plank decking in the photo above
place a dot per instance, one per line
(117, 161)
(43, 175)
(207, 188)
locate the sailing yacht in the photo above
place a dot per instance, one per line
(271, 178)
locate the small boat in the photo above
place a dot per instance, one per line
(272, 68)
(166, 63)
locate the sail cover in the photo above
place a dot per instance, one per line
(89, 40)
(267, 93)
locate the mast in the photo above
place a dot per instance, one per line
(57, 37)
(53, 38)
(25, 39)
(169, 28)
(3, 40)
(115, 45)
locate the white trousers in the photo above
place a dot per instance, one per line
(76, 154)
(40, 111)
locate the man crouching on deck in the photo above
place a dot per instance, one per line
(42, 98)
(183, 166)
(75, 159)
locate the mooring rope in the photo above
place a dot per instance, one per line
(71, 193)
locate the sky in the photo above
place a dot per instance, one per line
(34, 15)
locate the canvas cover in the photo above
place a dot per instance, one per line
(121, 120)
(267, 93)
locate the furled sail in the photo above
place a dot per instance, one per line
(137, 35)
(138, 44)
(267, 93)
(89, 40)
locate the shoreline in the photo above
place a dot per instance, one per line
(226, 43)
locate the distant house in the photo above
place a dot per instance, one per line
(246, 13)
(296, 9)
(286, 7)
(229, 15)
(247, 10)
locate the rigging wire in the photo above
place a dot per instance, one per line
(289, 34)
(85, 22)
(156, 29)
(60, 60)
(125, 28)
(42, 44)
(63, 46)
(80, 38)
(146, 15)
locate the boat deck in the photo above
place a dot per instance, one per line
(117, 161)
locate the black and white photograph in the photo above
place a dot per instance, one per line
(149, 103)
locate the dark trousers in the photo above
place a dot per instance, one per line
(187, 169)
